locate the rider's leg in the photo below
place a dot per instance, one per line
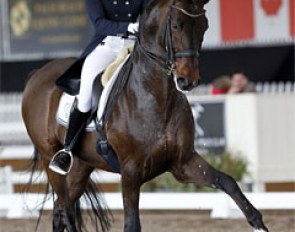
(95, 63)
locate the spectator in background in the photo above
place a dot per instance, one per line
(240, 84)
(220, 85)
(237, 83)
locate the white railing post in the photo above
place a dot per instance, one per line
(6, 185)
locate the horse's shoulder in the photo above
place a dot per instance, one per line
(182, 108)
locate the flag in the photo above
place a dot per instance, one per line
(292, 18)
(237, 20)
(263, 21)
(271, 20)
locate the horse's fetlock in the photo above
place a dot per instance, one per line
(256, 221)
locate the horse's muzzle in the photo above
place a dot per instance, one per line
(186, 85)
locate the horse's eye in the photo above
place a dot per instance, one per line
(176, 27)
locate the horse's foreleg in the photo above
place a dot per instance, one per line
(198, 171)
(130, 190)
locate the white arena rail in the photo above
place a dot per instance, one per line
(220, 205)
(12, 129)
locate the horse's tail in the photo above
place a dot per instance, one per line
(33, 166)
(101, 216)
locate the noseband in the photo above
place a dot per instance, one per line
(168, 64)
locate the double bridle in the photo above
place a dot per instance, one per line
(168, 64)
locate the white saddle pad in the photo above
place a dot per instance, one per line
(66, 102)
(64, 109)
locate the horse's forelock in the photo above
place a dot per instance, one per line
(154, 11)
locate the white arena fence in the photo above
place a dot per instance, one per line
(220, 205)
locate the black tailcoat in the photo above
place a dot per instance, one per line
(108, 18)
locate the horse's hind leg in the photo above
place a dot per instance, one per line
(59, 219)
(68, 190)
(198, 171)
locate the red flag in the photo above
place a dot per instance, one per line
(271, 7)
(237, 20)
(292, 17)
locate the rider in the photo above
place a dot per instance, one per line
(112, 20)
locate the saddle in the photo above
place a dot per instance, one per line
(104, 98)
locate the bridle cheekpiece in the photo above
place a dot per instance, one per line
(169, 63)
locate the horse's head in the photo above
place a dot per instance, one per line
(173, 30)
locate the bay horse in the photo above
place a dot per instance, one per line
(151, 127)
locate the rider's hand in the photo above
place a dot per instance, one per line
(133, 28)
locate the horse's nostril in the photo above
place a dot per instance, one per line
(186, 85)
(182, 82)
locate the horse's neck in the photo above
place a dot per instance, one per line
(149, 82)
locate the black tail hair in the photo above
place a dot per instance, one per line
(100, 215)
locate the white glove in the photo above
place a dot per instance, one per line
(133, 27)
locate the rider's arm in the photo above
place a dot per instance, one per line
(101, 24)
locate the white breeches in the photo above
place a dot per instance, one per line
(96, 62)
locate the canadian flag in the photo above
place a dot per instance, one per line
(250, 20)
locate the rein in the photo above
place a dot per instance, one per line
(168, 65)
(161, 62)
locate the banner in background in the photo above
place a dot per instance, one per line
(209, 126)
(47, 27)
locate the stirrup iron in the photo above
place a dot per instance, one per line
(57, 169)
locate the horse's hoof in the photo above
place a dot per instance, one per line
(260, 230)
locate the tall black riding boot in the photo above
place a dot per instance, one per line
(62, 161)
